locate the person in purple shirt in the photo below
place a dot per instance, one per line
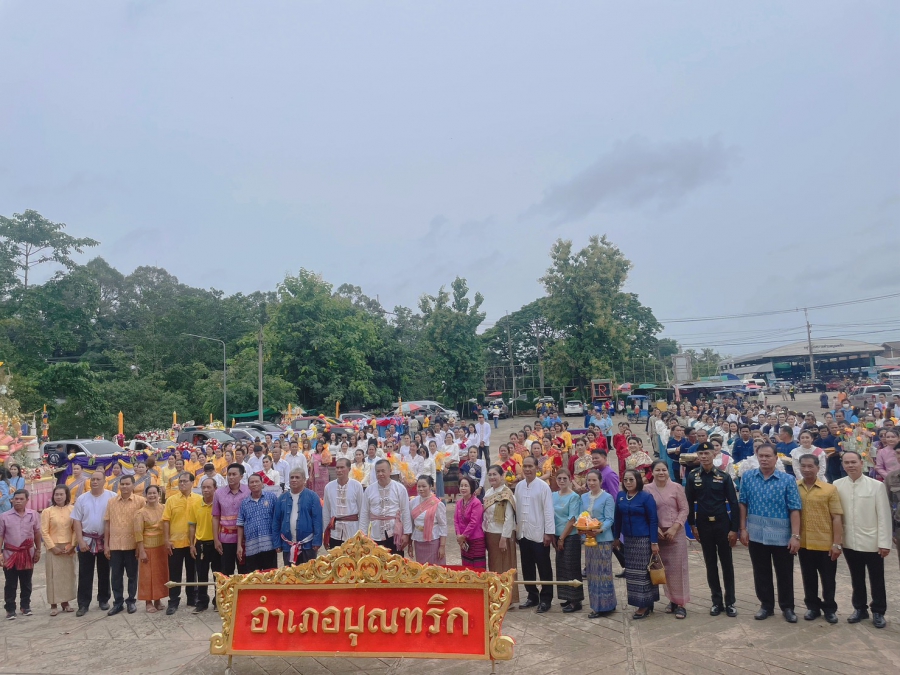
(609, 479)
(226, 507)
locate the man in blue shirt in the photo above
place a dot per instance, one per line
(743, 445)
(770, 528)
(786, 443)
(257, 549)
(298, 521)
(605, 424)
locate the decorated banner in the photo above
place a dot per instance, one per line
(359, 600)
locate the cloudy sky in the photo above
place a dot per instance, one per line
(744, 156)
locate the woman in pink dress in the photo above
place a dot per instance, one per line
(468, 519)
(672, 513)
(319, 460)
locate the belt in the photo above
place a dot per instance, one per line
(711, 519)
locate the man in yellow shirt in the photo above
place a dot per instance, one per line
(203, 550)
(821, 534)
(176, 536)
(119, 544)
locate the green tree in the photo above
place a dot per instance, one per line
(528, 328)
(322, 343)
(75, 401)
(585, 303)
(455, 356)
(31, 240)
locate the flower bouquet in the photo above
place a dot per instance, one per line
(589, 527)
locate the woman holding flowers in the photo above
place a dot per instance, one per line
(600, 505)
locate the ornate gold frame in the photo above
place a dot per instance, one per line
(361, 562)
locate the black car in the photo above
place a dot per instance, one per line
(810, 386)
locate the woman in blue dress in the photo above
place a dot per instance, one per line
(598, 559)
(635, 519)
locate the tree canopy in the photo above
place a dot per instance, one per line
(92, 340)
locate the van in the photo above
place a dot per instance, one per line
(759, 382)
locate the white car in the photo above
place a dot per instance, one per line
(573, 407)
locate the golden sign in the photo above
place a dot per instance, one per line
(359, 600)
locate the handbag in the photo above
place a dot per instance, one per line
(657, 570)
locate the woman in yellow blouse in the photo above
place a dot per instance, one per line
(153, 566)
(77, 482)
(58, 536)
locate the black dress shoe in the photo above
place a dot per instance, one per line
(763, 613)
(569, 609)
(81, 611)
(115, 609)
(731, 611)
(831, 617)
(715, 610)
(597, 615)
(170, 610)
(812, 614)
(858, 615)
(789, 615)
(104, 606)
(878, 620)
(528, 604)
(130, 608)
(543, 607)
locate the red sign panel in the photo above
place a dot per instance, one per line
(425, 620)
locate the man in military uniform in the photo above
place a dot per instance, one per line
(712, 490)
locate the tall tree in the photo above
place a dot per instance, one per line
(455, 362)
(586, 304)
(32, 240)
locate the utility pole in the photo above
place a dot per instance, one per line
(812, 365)
(260, 343)
(537, 338)
(512, 364)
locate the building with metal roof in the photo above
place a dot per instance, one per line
(791, 361)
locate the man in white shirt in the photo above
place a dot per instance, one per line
(254, 461)
(87, 517)
(295, 459)
(282, 467)
(536, 532)
(385, 513)
(483, 429)
(867, 537)
(342, 503)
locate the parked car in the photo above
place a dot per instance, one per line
(355, 417)
(432, 408)
(573, 407)
(57, 452)
(549, 400)
(200, 436)
(501, 404)
(808, 386)
(834, 385)
(265, 427)
(320, 423)
(148, 446)
(247, 434)
(758, 381)
(869, 394)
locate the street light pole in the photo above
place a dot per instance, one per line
(224, 375)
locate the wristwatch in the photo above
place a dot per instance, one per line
(838, 547)
(795, 536)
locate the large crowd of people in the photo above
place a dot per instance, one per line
(783, 484)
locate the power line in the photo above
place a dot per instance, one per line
(779, 311)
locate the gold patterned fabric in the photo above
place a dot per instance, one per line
(120, 516)
(820, 503)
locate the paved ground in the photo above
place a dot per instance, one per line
(549, 643)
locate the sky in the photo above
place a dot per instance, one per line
(744, 156)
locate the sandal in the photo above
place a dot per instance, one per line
(680, 613)
(151, 609)
(671, 608)
(54, 611)
(67, 608)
